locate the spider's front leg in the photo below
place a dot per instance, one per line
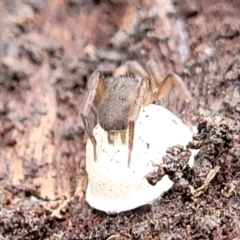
(163, 88)
(167, 84)
(95, 88)
(139, 102)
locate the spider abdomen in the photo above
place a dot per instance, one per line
(117, 102)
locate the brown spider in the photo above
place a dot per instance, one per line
(119, 103)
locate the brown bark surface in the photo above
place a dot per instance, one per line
(48, 50)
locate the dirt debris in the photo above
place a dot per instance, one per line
(47, 52)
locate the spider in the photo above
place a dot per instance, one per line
(119, 103)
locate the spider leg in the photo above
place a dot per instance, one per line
(143, 88)
(123, 136)
(154, 74)
(136, 69)
(167, 84)
(95, 88)
(163, 89)
(89, 131)
(110, 137)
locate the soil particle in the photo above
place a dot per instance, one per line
(48, 50)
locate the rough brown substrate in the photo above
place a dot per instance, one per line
(48, 49)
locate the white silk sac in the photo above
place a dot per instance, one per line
(113, 186)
